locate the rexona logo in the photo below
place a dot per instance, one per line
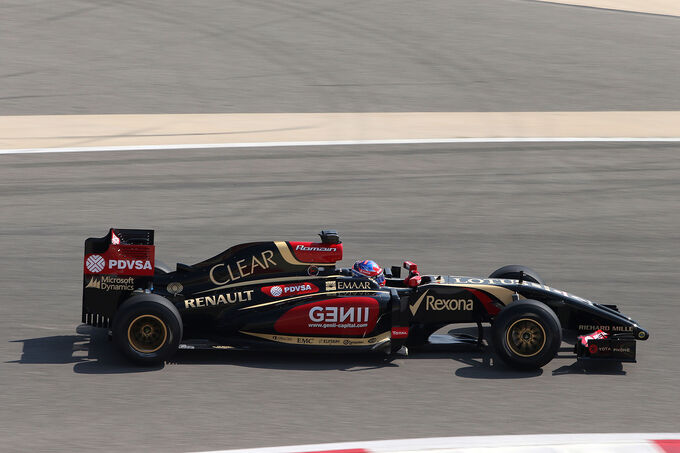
(341, 316)
(293, 289)
(219, 299)
(432, 303)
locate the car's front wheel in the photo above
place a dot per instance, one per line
(514, 271)
(526, 334)
(147, 329)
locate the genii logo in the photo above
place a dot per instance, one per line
(292, 289)
(341, 316)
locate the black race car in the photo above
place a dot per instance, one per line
(285, 294)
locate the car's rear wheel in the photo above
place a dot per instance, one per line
(513, 271)
(161, 268)
(526, 334)
(147, 329)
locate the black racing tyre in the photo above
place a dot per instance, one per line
(147, 329)
(161, 268)
(512, 271)
(526, 334)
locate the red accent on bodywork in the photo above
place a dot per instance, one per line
(121, 260)
(315, 252)
(668, 445)
(410, 266)
(413, 280)
(484, 298)
(597, 335)
(340, 316)
(399, 332)
(291, 289)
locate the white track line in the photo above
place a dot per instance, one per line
(553, 443)
(93, 149)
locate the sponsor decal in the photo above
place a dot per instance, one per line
(222, 273)
(353, 285)
(432, 303)
(115, 240)
(414, 308)
(219, 299)
(343, 316)
(293, 289)
(111, 283)
(174, 288)
(121, 260)
(95, 263)
(591, 327)
(399, 332)
(321, 341)
(310, 252)
(312, 270)
(305, 248)
(348, 285)
(604, 349)
(507, 281)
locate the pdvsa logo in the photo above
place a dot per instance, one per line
(129, 265)
(98, 264)
(293, 289)
(95, 263)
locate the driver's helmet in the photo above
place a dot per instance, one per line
(370, 269)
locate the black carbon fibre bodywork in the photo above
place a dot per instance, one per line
(279, 294)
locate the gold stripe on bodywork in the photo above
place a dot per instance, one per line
(503, 294)
(312, 295)
(323, 341)
(266, 280)
(290, 259)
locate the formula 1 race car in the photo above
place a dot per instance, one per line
(285, 294)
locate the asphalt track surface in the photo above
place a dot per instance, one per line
(213, 56)
(596, 220)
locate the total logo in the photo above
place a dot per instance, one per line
(96, 264)
(293, 289)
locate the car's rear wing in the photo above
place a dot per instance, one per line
(114, 266)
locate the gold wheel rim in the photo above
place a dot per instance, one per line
(147, 334)
(525, 337)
